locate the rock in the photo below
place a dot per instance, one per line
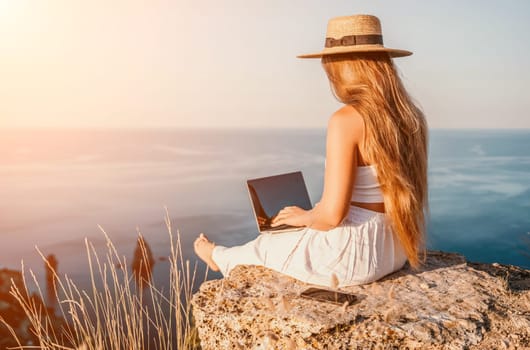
(12, 313)
(447, 304)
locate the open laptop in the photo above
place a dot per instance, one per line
(271, 194)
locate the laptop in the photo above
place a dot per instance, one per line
(271, 194)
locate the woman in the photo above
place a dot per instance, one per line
(371, 216)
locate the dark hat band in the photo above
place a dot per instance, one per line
(351, 40)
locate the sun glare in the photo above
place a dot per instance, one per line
(11, 12)
(8, 7)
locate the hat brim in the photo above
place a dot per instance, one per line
(353, 49)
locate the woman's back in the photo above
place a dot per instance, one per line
(395, 138)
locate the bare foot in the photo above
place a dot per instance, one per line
(203, 248)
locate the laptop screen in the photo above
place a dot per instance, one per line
(271, 194)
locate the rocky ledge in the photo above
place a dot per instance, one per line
(447, 304)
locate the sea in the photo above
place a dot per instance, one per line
(61, 188)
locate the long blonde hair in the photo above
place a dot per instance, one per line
(395, 139)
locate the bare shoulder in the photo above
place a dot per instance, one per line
(348, 123)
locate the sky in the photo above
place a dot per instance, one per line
(232, 63)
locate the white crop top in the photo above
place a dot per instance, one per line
(366, 188)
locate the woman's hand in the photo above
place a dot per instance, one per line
(294, 216)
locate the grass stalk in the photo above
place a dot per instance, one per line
(120, 310)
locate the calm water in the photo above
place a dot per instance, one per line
(58, 185)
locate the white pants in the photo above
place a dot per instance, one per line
(360, 250)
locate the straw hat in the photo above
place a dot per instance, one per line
(358, 33)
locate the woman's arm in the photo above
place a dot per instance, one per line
(345, 130)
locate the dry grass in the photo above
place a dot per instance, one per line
(115, 313)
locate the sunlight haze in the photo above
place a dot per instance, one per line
(232, 64)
